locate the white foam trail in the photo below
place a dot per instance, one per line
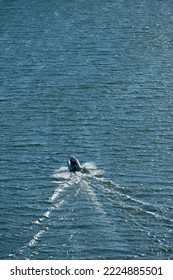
(139, 209)
(35, 238)
(107, 182)
(61, 189)
(93, 197)
(58, 191)
(92, 176)
(64, 186)
(61, 173)
(45, 216)
(91, 169)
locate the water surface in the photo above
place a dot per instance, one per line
(93, 79)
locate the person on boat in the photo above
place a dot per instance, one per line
(73, 161)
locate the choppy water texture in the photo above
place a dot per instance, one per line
(93, 79)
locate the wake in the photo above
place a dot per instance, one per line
(98, 190)
(65, 180)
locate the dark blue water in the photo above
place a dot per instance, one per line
(93, 79)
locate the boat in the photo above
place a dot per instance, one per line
(73, 164)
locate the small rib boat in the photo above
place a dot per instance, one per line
(73, 164)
